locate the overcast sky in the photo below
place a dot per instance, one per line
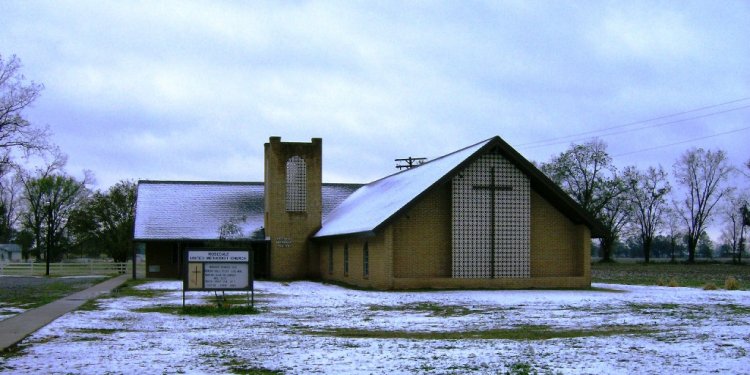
(191, 90)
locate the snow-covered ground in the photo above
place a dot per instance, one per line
(673, 331)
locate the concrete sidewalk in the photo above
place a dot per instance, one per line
(16, 328)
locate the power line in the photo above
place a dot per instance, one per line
(558, 140)
(552, 142)
(682, 142)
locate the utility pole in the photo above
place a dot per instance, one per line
(410, 162)
(49, 234)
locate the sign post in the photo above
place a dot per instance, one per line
(218, 270)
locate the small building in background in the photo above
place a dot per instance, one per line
(10, 252)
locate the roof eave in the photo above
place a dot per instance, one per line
(361, 234)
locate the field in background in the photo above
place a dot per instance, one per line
(662, 273)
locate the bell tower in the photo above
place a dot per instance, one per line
(293, 204)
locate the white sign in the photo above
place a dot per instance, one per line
(218, 256)
(218, 269)
(225, 276)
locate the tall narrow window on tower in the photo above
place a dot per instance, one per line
(296, 184)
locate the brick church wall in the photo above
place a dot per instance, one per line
(558, 246)
(422, 236)
(380, 261)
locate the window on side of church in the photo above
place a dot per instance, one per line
(296, 184)
(365, 261)
(330, 259)
(346, 259)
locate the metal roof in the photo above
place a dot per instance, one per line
(376, 202)
(170, 210)
(372, 206)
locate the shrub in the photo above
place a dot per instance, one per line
(731, 283)
(660, 282)
(710, 286)
(673, 283)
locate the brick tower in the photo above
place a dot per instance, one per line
(293, 205)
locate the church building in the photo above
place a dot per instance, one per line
(480, 217)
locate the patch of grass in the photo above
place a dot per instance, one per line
(433, 309)
(128, 289)
(90, 305)
(87, 339)
(237, 366)
(19, 349)
(520, 368)
(736, 309)
(644, 307)
(97, 331)
(200, 310)
(44, 291)
(227, 300)
(16, 350)
(530, 332)
(710, 286)
(690, 275)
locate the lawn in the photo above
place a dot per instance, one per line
(21, 293)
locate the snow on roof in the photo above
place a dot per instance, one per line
(168, 210)
(196, 210)
(374, 203)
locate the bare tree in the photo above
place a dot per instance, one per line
(10, 202)
(16, 133)
(647, 193)
(673, 224)
(733, 231)
(586, 173)
(704, 175)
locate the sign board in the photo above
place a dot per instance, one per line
(218, 269)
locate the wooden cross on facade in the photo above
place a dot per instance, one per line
(493, 188)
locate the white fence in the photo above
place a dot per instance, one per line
(70, 269)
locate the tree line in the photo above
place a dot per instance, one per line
(640, 212)
(46, 210)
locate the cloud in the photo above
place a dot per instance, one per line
(191, 90)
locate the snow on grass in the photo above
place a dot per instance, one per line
(307, 327)
(7, 311)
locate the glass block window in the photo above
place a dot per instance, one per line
(365, 261)
(346, 259)
(491, 220)
(330, 259)
(296, 184)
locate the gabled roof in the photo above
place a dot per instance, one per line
(374, 205)
(186, 210)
